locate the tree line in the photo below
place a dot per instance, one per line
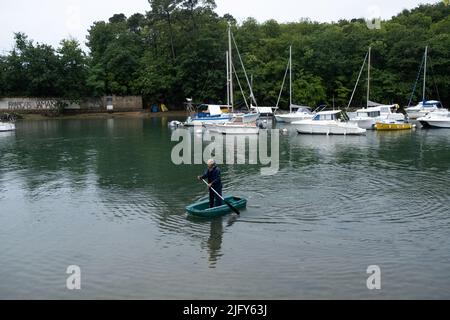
(177, 50)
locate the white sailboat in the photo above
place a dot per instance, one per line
(301, 113)
(236, 126)
(208, 114)
(241, 123)
(374, 113)
(424, 107)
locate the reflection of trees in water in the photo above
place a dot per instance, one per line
(129, 162)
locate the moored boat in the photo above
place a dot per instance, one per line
(236, 126)
(202, 209)
(7, 126)
(437, 119)
(423, 108)
(209, 114)
(367, 118)
(296, 113)
(328, 123)
(265, 112)
(302, 113)
(393, 126)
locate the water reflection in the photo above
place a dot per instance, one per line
(214, 240)
(107, 191)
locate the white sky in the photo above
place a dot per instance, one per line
(49, 21)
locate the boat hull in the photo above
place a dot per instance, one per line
(328, 129)
(435, 124)
(250, 117)
(233, 129)
(201, 209)
(202, 122)
(5, 127)
(290, 118)
(393, 126)
(367, 124)
(414, 115)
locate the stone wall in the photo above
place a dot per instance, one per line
(42, 105)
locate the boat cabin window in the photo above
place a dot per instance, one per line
(373, 114)
(324, 117)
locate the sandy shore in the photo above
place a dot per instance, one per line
(143, 114)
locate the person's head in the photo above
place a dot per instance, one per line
(211, 163)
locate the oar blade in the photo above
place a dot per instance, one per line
(233, 208)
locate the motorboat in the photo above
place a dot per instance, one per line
(423, 108)
(328, 123)
(368, 117)
(436, 119)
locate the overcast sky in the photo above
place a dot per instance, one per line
(49, 21)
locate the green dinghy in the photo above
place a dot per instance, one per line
(202, 209)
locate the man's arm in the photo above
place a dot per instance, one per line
(204, 176)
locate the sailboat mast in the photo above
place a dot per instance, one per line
(230, 56)
(290, 78)
(368, 77)
(425, 74)
(228, 79)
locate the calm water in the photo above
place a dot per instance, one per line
(104, 195)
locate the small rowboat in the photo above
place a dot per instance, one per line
(202, 209)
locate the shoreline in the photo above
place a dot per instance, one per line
(104, 115)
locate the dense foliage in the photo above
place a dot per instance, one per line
(177, 50)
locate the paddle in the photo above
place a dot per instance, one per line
(226, 202)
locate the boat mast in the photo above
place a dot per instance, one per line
(368, 77)
(290, 78)
(425, 74)
(228, 80)
(251, 86)
(230, 67)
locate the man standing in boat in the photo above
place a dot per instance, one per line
(214, 182)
